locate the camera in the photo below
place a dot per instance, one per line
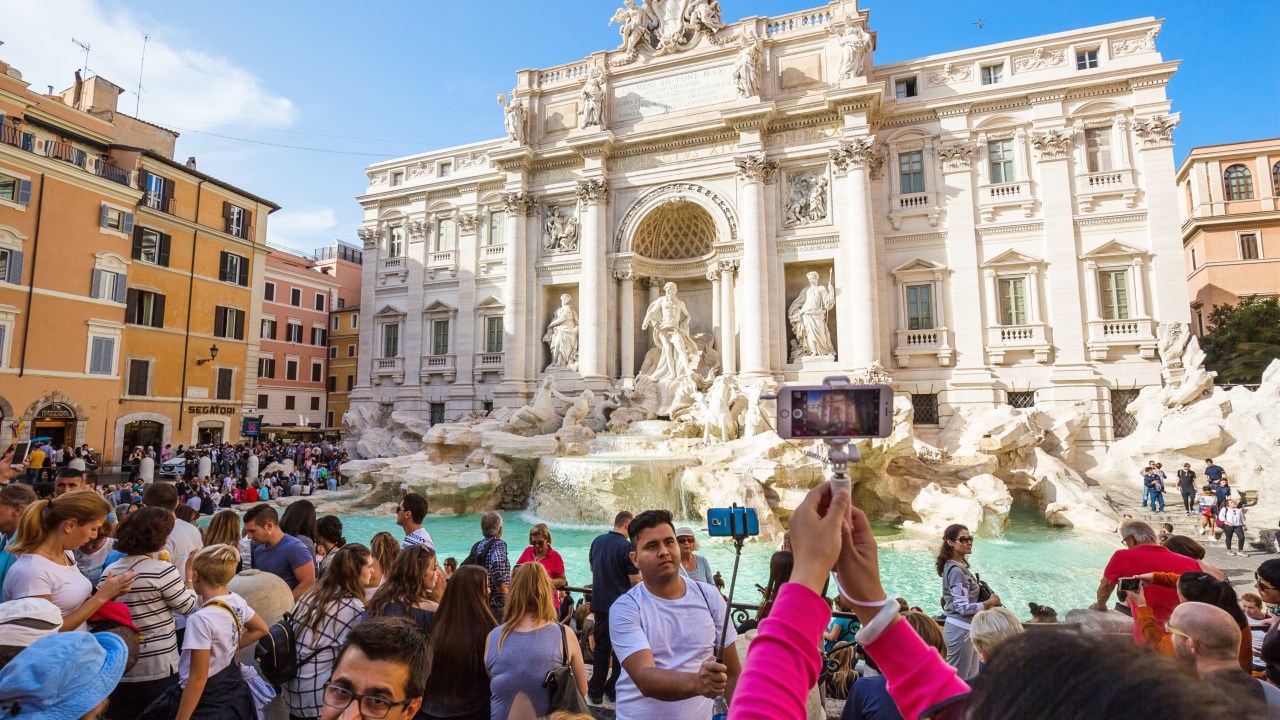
(835, 411)
(733, 522)
(1130, 584)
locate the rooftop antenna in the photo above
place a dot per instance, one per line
(141, 63)
(85, 48)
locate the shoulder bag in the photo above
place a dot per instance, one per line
(562, 687)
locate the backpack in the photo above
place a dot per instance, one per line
(476, 556)
(277, 652)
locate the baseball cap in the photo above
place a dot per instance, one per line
(62, 676)
(25, 621)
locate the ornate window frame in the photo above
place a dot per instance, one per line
(1032, 336)
(486, 361)
(1138, 330)
(445, 364)
(935, 341)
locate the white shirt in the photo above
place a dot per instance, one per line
(33, 575)
(184, 541)
(680, 634)
(211, 628)
(418, 537)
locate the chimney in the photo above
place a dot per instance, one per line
(50, 89)
(191, 162)
(75, 101)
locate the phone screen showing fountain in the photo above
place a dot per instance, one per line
(828, 412)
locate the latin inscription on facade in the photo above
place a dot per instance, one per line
(656, 97)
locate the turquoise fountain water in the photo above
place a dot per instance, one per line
(1030, 562)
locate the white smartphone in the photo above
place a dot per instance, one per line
(808, 412)
(20, 452)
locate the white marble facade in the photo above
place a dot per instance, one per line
(993, 222)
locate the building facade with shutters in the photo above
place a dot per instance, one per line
(1230, 225)
(344, 361)
(993, 225)
(297, 295)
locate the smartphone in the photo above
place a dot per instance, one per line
(1130, 584)
(733, 522)
(823, 411)
(20, 452)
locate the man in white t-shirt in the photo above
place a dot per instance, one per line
(184, 540)
(665, 631)
(409, 516)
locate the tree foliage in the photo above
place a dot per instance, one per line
(1243, 339)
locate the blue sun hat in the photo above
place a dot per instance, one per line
(62, 676)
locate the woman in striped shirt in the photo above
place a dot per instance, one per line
(157, 594)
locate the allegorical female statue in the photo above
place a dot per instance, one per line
(562, 336)
(808, 316)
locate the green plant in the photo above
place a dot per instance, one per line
(1243, 339)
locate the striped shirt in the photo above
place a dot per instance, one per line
(155, 597)
(318, 653)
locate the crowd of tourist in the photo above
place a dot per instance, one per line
(117, 605)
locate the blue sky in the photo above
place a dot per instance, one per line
(382, 79)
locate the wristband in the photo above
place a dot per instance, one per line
(845, 595)
(878, 625)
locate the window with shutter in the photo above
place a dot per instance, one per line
(238, 326)
(315, 403)
(226, 377)
(95, 285)
(102, 352)
(269, 292)
(12, 271)
(139, 377)
(163, 258)
(289, 401)
(4, 354)
(219, 321)
(317, 371)
(290, 369)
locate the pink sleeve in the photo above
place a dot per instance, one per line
(784, 660)
(918, 676)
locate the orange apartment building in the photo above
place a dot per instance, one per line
(343, 261)
(103, 240)
(1230, 224)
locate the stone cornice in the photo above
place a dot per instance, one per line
(674, 143)
(1111, 219)
(1011, 228)
(1239, 221)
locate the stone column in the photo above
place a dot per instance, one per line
(627, 311)
(1139, 288)
(714, 276)
(655, 288)
(1091, 300)
(1055, 194)
(729, 349)
(518, 207)
(593, 299)
(754, 171)
(1168, 270)
(859, 341)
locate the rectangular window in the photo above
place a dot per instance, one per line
(150, 246)
(992, 74)
(317, 372)
(234, 268)
(228, 323)
(293, 333)
(911, 172)
(4, 355)
(102, 355)
(1249, 246)
(268, 329)
(445, 169)
(1115, 294)
(905, 88)
(445, 235)
(920, 307)
(395, 241)
(315, 403)
(107, 285)
(1193, 258)
(1001, 157)
(495, 236)
(1087, 59)
(493, 334)
(290, 402)
(351, 350)
(397, 178)
(341, 303)
(351, 382)
(15, 190)
(440, 337)
(320, 302)
(328, 419)
(390, 341)
(1098, 147)
(1020, 398)
(335, 322)
(437, 413)
(263, 402)
(237, 220)
(1200, 322)
(925, 407)
(333, 383)
(159, 192)
(318, 336)
(115, 219)
(267, 368)
(269, 292)
(295, 297)
(139, 382)
(1013, 301)
(355, 321)
(333, 352)
(11, 266)
(143, 307)
(290, 369)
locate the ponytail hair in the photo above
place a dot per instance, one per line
(1205, 588)
(42, 518)
(947, 551)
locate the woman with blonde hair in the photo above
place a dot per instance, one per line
(529, 645)
(384, 548)
(223, 529)
(48, 533)
(409, 588)
(991, 627)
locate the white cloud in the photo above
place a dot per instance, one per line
(177, 83)
(302, 229)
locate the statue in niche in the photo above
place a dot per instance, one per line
(668, 320)
(561, 230)
(562, 336)
(592, 99)
(515, 115)
(808, 317)
(854, 43)
(746, 69)
(806, 199)
(705, 17)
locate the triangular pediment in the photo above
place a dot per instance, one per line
(489, 303)
(1113, 249)
(389, 311)
(439, 306)
(1013, 257)
(918, 265)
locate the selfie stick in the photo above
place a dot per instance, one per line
(841, 453)
(739, 535)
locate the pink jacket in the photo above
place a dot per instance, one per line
(784, 663)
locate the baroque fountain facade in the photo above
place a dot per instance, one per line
(584, 315)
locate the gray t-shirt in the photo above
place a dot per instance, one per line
(521, 666)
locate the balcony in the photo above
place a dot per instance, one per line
(934, 342)
(1093, 186)
(1128, 333)
(491, 257)
(441, 261)
(923, 204)
(1004, 195)
(107, 171)
(1002, 339)
(13, 136)
(490, 362)
(388, 369)
(443, 365)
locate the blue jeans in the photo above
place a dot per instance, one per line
(1146, 494)
(1157, 498)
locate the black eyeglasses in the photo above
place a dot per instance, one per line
(965, 539)
(371, 706)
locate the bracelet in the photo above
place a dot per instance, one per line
(845, 595)
(881, 622)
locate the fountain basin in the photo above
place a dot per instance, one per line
(651, 427)
(591, 489)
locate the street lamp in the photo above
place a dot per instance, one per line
(213, 355)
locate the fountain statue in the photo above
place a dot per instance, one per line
(562, 336)
(808, 317)
(667, 318)
(539, 416)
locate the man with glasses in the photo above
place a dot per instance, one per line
(381, 672)
(1142, 555)
(1209, 637)
(409, 516)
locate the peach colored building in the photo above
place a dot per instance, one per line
(1230, 197)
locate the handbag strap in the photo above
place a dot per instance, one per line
(564, 646)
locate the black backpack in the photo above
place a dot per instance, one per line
(477, 556)
(277, 652)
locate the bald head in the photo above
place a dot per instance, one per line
(1211, 633)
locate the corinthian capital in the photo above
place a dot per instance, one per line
(755, 168)
(958, 156)
(624, 275)
(519, 203)
(593, 191)
(1054, 144)
(1157, 131)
